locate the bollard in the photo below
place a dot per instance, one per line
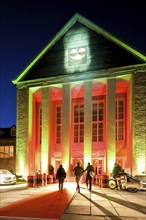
(49, 179)
(104, 181)
(30, 181)
(38, 180)
(55, 180)
(44, 179)
(99, 180)
(96, 180)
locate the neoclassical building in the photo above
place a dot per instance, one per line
(82, 98)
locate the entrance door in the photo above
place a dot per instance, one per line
(98, 165)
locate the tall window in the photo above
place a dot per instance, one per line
(120, 118)
(58, 124)
(78, 123)
(7, 151)
(98, 121)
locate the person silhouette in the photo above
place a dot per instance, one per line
(78, 171)
(61, 175)
(90, 171)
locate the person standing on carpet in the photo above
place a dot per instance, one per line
(78, 171)
(61, 175)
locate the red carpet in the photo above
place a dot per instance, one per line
(50, 205)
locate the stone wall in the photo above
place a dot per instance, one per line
(22, 132)
(139, 121)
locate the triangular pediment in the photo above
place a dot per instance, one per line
(80, 46)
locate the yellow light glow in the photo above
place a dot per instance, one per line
(22, 165)
(44, 164)
(141, 164)
(30, 114)
(65, 160)
(45, 129)
(104, 162)
(66, 165)
(111, 164)
(77, 48)
(87, 159)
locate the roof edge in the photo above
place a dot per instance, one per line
(59, 34)
(111, 37)
(112, 71)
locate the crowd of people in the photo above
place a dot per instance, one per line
(78, 171)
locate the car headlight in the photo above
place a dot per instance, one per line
(14, 178)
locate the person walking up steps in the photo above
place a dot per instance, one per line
(78, 171)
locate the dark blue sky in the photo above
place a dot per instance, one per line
(27, 26)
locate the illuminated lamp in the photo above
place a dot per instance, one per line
(78, 54)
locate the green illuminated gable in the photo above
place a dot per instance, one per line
(80, 47)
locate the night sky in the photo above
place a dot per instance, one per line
(27, 26)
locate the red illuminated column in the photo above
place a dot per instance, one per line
(66, 122)
(111, 123)
(87, 123)
(45, 128)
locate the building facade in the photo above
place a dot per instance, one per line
(82, 98)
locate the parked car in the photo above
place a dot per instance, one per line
(6, 177)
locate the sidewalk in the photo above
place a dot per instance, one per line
(98, 204)
(104, 203)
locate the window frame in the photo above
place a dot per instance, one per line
(58, 125)
(98, 100)
(7, 150)
(78, 123)
(122, 119)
